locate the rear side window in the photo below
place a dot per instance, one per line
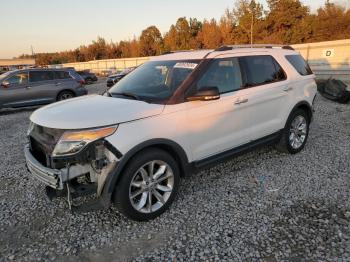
(299, 64)
(225, 74)
(260, 70)
(38, 76)
(62, 75)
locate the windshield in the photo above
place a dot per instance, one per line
(4, 75)
(155, 80)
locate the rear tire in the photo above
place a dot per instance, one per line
(89, 81)
(64, 95)
(148, 185)
(295, 133)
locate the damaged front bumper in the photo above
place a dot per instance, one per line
(53, 178)
(77, 179)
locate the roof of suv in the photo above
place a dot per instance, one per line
(201, 54)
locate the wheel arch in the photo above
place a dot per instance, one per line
(173, 148)
(304, 105)
(65, 90)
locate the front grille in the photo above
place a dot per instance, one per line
(38, 152)
(42, 143)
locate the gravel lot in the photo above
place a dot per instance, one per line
(263, 206)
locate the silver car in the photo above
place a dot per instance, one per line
(39, 86)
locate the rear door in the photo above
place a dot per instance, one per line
(63, 80)
(266, 92)
(42, 86)
(15, 91)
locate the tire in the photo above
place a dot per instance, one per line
(294, 141)
(89, 81)
(133, 192)
(64, 95)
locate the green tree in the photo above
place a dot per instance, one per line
(248, 15)
(332, 22)
(151, 42)
(284, 20)
(210, 35)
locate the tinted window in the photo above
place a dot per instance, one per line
(19, 78)
(155, 80)
(36, 76)
(299, 64)
(259, 70)
(225, 74)
(62, 75)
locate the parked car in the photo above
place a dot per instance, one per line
(39, 86)
(88, 77)
(115, 78)
(174, 115)
(109, 71)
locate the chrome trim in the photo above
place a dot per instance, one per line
(50, 177)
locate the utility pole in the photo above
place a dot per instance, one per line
(251, 30)
(252, 7)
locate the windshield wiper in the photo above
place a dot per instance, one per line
(126, 94)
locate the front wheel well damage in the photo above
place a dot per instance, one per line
(172, 148)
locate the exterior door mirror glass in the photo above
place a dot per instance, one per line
(205, 94)
(5, 84)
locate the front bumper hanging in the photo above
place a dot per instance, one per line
(50, 177)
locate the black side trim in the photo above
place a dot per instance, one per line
(213, 160)
(304, 104)
(111, 148)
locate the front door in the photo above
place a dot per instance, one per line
(14, 90)
(219, 125)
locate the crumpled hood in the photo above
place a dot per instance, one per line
(93, 111)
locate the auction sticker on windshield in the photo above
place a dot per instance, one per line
(185, 65)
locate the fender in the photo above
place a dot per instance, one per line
(303, 104)
(176, 150)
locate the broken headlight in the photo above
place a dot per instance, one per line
(72, 142)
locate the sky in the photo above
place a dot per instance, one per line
(57, 25)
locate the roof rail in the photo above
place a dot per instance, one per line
(231, 47)
(176, 51)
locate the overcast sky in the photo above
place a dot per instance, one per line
(57, 25)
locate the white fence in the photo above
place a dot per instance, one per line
(328, 59)
(100, 66)
(325, 58)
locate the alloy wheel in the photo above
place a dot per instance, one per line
(151, 186)
(298, 132)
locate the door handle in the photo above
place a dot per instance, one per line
(241, 101)
(287, 89)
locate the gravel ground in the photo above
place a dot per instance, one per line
(263, 206)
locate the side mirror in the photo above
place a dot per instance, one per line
(205, 94)
(5, 84)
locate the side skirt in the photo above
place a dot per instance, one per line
(229, 154)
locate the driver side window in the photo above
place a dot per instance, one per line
(225, 74)
(18, 79)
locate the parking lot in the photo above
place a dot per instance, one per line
(261, 206)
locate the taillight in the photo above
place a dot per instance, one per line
(82, 82)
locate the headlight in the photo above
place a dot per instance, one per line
(71, 142)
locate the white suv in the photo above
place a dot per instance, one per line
(176, 114)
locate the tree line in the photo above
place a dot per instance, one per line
(283, 22)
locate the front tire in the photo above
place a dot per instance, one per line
(295, 133)
(148, 185)
(64, 95)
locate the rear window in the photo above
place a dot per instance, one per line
(37, 76)
(62, 75)
(260, 70)
(299, 64)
